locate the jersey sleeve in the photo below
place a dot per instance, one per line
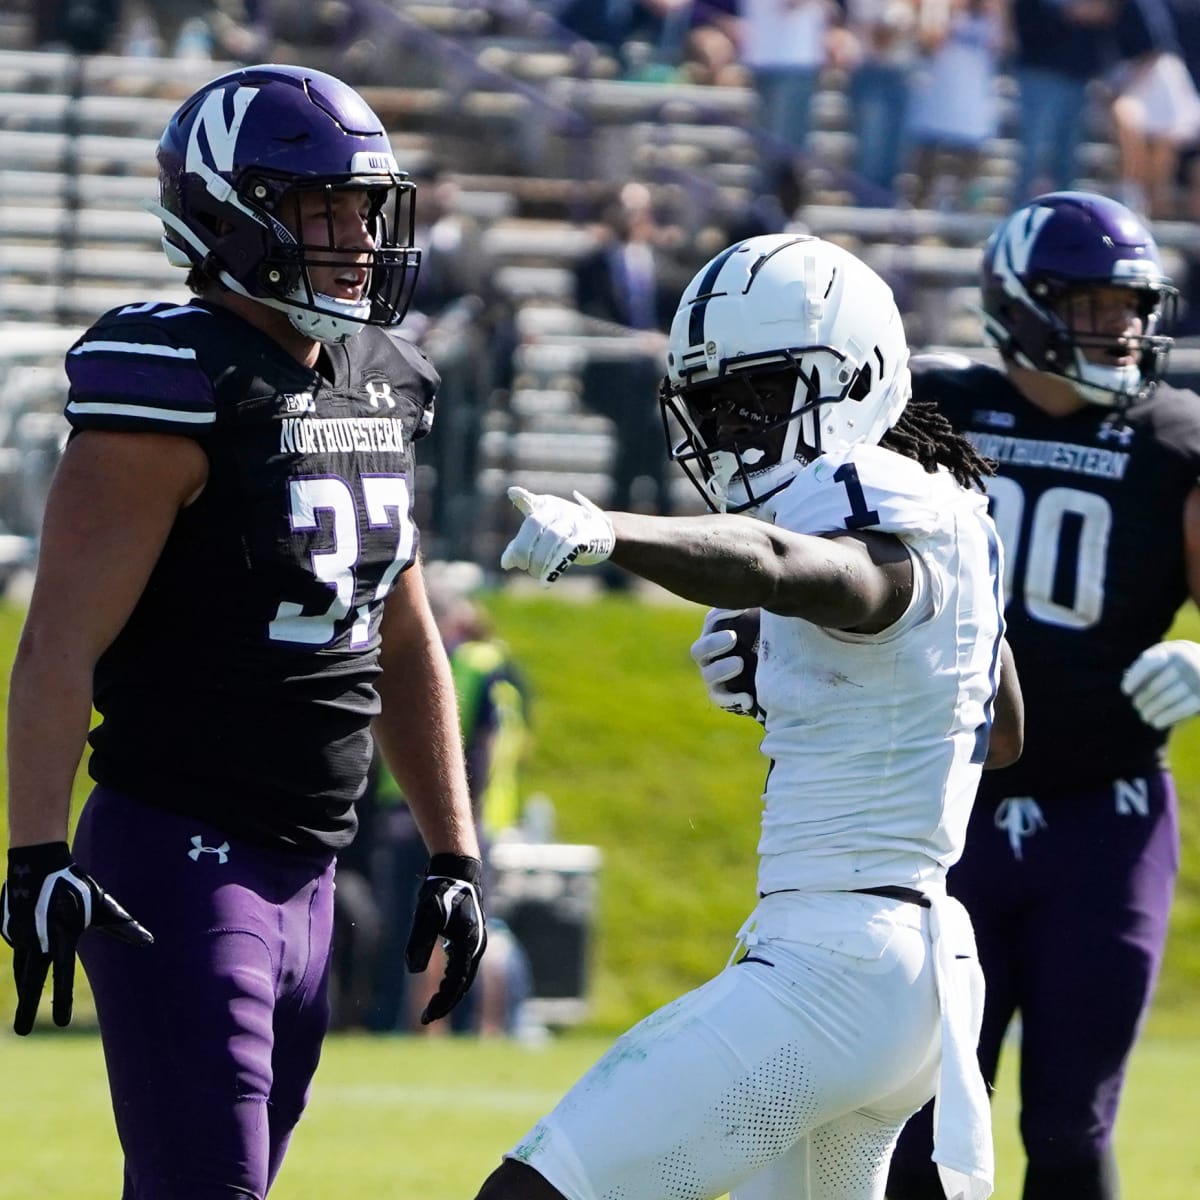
(133, 373)
(1175, 416)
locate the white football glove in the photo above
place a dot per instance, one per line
(1164, 683)
(555, 534)
(727, 654)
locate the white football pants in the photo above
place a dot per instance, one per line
(787, 1077)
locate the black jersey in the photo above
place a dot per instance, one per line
(1089, 508)
(241, 688)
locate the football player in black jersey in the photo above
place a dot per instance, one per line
(1072, 852)
(229, 572)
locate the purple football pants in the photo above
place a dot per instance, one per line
(1070, 914)
(211, 1036)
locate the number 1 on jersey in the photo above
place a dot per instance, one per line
(860, 516)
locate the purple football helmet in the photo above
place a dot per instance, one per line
(232, 165)
(1054, 250)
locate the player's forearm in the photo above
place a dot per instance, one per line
(1008, 726)
(723, 562)
(736, 562)
(431, 776)
(418, 733)
(49, 711)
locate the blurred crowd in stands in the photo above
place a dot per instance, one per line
(927, 83)
(951, 106)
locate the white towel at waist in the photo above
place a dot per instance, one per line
(962, 1116)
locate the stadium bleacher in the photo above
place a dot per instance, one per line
(535, 131)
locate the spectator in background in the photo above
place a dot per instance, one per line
(645, 36)
(1187, 25)
(391, 846)
(493, 705)
(628, 285)
(1186, 14)
(627, 279)
(358, 928)
(141, 36)
(85, 26)
(709, 56)
(1061, 46)
(241, 30)
(954, 106)
(887, 40)
(1155, 109)
(452, 321)
(778, 209)
(786, 44)
(183, 25)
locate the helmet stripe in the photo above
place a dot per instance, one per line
(704, 294)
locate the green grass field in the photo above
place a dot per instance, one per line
(639, 764)
(427, 1119)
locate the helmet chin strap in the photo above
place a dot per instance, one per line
(1112, 387)
(325, 323)
(733, 476)
(718, 484)
(322, 325)
(329, 328)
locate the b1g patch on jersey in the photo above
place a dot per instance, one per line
(298, 403)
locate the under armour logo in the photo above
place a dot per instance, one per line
(380, 390)
(199, 848)
(1111, 432)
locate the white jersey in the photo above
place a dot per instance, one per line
(877, 741)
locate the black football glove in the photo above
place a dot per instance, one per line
(45, 904)
(449, 906)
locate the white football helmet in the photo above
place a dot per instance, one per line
(783, 348)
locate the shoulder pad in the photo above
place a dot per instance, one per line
(137, 368)
(413, 366)
(153, 321)
(1173, 414)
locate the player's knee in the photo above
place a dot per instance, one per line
(513, 1180)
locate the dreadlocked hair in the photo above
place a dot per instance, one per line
(924, 434)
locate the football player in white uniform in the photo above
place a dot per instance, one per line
(854, 994)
